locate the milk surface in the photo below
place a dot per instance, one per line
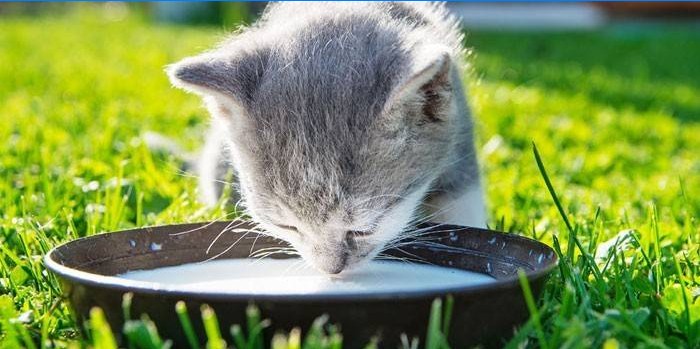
(293, 276)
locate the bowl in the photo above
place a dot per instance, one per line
(485, 314)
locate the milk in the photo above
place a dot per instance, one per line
(294, 277)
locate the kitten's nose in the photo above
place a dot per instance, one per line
(335, 265)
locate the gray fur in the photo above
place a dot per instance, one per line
(334, 115)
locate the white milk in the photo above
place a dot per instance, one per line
(293, 276)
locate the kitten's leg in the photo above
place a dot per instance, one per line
(467, 208)
(212, 167)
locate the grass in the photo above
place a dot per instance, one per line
(614, 114)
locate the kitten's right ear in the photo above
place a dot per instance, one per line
(218, 76)
(426, 93)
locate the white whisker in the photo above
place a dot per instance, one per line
(226, 229)
(204, 226)
(227, 249)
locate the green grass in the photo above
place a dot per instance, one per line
(615, 116)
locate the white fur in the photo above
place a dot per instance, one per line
(467, 209)
(393, 223)
(398, 218)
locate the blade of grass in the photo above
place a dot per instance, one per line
(238, 336)
(102, 336)
(45, 332)
(279, 341)
(181, 310)
(255, 336)
(126, 305)
(144, 334)
(518, 341)
(335, 341)
(553, 193)
(314, 337)
(294, 339)
(254, 327)
(658, 271)
(433, 338)
(686, 311)
(532, 307)
(572, 232)
(447, 317)
(211, 327)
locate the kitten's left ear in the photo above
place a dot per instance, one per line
(428, 90)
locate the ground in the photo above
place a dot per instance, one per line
(614, 113)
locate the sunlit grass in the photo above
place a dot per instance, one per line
(615, 115)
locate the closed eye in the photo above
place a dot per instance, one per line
(287, 227)
(360, 233)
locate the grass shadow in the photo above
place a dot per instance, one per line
(643, 69)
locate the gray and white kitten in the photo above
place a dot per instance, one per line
(344, 123)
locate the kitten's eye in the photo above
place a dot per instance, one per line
(359, 233)
(287, 227)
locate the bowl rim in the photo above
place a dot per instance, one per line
(122, 285)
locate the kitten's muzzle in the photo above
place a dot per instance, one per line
(337, 265)
(334, 257)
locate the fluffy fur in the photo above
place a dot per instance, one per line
(341, 121)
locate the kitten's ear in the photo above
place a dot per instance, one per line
(427, 92)
(218, 76)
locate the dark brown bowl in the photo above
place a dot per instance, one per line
(482, 314)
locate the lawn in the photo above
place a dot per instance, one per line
(614, 113)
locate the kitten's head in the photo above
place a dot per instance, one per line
(334, 145)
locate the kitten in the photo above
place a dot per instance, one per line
(342, 122)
